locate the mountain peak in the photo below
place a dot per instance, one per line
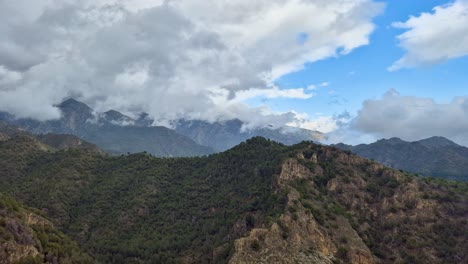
(117, 118)
(436, 142)
(113, 114)
(392, 141)
(74, 105)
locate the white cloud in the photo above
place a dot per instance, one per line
(274, 92)
(324, 124)
(133, 77)
(8, 77)
(434, 37)
(413, 118)
(312, 87)
(316, 86)
(172, 59)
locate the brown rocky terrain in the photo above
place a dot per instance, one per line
(345, 209)
(27, 237)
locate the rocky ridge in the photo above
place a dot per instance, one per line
(336, 214)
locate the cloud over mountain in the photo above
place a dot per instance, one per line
(172, 59)
(413, 118)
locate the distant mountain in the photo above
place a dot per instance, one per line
(438, 142)
(224, 135)
(259, 202)
(118, 133)
(112, 131)
(157, 140)
(116, 118)
(435, 156)
(49, 141)
(75, 119)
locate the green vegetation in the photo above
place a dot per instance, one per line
(139, 208)
(142, 209)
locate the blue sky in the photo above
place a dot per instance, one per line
(363, 73)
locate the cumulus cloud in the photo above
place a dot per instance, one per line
(413, 118)
(172, 59)
(324, 124)
(434, 37)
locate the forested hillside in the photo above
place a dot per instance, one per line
(260, 202)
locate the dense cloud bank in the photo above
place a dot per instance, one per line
(172, 59)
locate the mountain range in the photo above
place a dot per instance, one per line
(259, 202)
(435, 156)
(52, 142)
(117, 133)
(224, 135)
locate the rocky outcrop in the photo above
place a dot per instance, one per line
(297, 237)
(290, 240)
(26, 237)
(17, 238)
(13, 253)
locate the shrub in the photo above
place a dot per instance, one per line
(342, 253)
(255, 245)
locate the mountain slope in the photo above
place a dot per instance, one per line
(151, 209)
(51, 141)
(27, 237)
(8, 131)
(260, 202)
(225, 135)
(112, 131)
(159, 141)
(436, 156)
(64, 141)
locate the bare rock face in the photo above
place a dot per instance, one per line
(297, 237)
(292, 170)
(18, 242)
(285, 243)
(12, 253)
(27, 237)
